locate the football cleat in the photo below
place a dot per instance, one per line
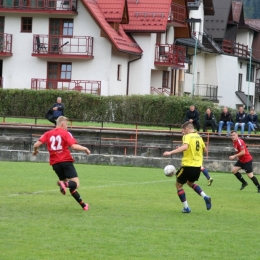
(208, 202)
(243, 185)
(86, 207)
(186, 210)
(62, 187)
(210, 181)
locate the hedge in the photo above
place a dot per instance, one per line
(148, 109)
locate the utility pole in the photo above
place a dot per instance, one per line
(194, 66)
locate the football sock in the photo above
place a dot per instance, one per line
(71, 184)
(77, 197)
(182, 196)
(255, 181)
(240, 178)
(196, 188)
(206, 173)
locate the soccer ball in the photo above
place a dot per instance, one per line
(169, 170)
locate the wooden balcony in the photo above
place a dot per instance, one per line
(84, 86)
(235, 48)
(6, 44)
(57, 46)
(206, 91)
(177, 15)
(170, 56)
(39, 6)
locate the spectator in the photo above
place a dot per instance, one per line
(56, 111)
(240, 120)
(192, 115)
(252, 121)
(225, 119)
(209, 120)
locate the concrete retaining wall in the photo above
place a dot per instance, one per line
(120, 160)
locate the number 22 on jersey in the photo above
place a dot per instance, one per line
(56, 142)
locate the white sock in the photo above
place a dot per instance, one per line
(203, 194)
(185, 204)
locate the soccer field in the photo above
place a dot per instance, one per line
(134, 214)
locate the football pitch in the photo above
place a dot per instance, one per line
(134, 214)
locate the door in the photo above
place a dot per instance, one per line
(54, 35)
(52, 75)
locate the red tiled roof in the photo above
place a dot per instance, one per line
(121, 40)
(253, 24)
(147, 15)
(237, 8)
(112, 9)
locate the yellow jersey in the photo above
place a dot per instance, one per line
(193, 156)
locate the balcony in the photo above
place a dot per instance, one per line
(170, 56)
(6, 44)
(39, 6)
(83, 86)
(57, 46)
(177, 15)
(206, 91)
(235, 48)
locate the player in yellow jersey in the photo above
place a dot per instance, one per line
(193, 147)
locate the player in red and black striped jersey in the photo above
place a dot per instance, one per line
(244, 161)
(58, 141)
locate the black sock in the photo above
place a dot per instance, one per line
(255, 181)
(240, 178)
(77, 197)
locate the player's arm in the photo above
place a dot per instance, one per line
(179, 149)
(35, 147)
(242, 152)
(80, 148)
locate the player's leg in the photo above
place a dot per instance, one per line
(238, 175)
(180, 191)
(194, 174)
(248, 167)
(206, 174)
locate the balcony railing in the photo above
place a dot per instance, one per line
(38, 5)
(177, 14)
(206, 91)
(5, 44)
(170, 55)
(51, 45)
(235, 48)
(84, 86)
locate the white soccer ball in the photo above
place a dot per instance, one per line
(169, 170)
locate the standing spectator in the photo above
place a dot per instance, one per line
(58, 142)
(240, 120)
(192, 115)
(244, 161)
(225, 119)
(209, 120)
(57, 110)
(252, 121)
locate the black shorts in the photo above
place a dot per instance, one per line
(247, 166)
(65, 170)
(187, 173)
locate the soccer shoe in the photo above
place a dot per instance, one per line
(210, 181)
(86, 207)
(186, 210)
(208, 202)
(62, 187)
(243, 185)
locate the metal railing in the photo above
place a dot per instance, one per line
(160, 91)
(170, 55)
(59, 44)
(206, 91)
(177, 14)
(6, 44)
(44, 5)
(84, 86)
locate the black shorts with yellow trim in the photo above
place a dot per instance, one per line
(187, 173)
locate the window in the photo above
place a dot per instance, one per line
(252, 74)
(26, 24)
(240, 75)
(165, 79)
(65, 72)
(118, 72)
(68, 27)
(63, 27)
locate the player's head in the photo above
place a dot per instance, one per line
(234, 135)
(187, 127)
(58, 99)
(62, 122)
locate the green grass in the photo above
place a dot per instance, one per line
(134, 214)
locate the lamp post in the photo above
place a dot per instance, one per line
(249, 79)
(194, 66)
